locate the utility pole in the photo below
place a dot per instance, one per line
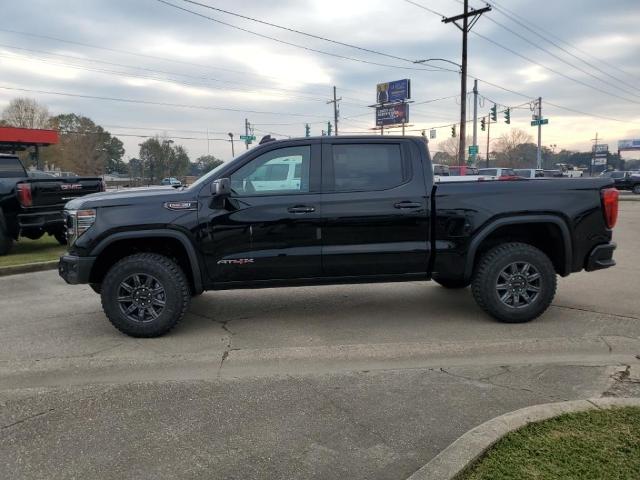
(246, 133)
(465, 28)
(488, 138)
(336, 110)
(233, 151)
(539, 152)
(593, 155)
(475, 118)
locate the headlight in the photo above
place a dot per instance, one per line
(78, 222)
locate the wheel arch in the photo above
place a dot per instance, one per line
(510, 228)
(172, 243)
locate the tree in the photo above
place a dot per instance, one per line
(511, 149)
(25, 113)
(85, 148)
(450, 147)
(204, 164)
(161, 159)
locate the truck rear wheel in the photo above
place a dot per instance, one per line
(636, 189)
(61, 237)
(451, 283)
(514, 282)
(145, 295)
(6, 242)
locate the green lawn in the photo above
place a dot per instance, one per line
(30, 251)
(601, 444)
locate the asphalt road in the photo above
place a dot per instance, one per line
(367, 381)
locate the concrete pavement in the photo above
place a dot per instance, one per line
(367, 381)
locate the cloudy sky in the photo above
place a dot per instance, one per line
(160, 70)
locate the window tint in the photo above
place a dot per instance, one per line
(488, 171)
(11, 167)
(508, 171)
(617, 175)
(278, 172)
(368, 167)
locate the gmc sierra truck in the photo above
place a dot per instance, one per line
(32, 204)
(335, 210)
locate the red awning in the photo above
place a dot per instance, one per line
(28, 136)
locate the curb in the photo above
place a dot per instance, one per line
(28, 268)
(629, 198)
(470, 446)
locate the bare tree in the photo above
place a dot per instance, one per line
(26, 113)
(450, 147)
(509, 147)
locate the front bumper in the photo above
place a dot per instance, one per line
(601, 257)
(74, 269)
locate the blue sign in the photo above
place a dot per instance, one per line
(392, 114)
(396, 91)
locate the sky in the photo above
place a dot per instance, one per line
(159, 70)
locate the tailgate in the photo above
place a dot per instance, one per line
(58, 191)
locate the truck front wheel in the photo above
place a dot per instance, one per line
(145, 295)
(514, 282)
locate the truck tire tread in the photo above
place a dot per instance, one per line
(483, 281)
(161, 266)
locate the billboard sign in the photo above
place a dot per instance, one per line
(432, 133)
(601, 150)
(599, 161)
(392, 114)
(633, 144)
(396, 91)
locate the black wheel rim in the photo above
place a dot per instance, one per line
(518, 285)
(141, 297)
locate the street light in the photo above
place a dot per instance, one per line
(233, 152)
(439, 60)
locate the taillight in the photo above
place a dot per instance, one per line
(610, 206)
(24, 194)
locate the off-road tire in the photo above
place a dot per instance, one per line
(451, 283)
(6, 242)
(490, 266)
(168, 274)
(61, 237)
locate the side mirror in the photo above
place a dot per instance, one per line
(221, 187)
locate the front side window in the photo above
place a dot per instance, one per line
(278, 172)
(363, 167)
(488, 171)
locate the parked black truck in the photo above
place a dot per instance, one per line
(335, 210)
(32, 205)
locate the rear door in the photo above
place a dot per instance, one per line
(374, 208)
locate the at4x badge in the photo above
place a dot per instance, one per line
(236, 261)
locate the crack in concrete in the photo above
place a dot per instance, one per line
(579, 309)
(30, 417)
(481, 381)
(607, 344)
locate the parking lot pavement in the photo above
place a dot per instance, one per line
(326, 382)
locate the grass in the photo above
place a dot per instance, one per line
(600, 444)
(30, 251)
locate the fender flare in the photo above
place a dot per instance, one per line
(501, 222)
(175, 234)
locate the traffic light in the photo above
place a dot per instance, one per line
(507, 116)
(329, 128)
(453, 130)
(307, 130)
(483, 124)
(494, 112)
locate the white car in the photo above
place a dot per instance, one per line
(530, 172)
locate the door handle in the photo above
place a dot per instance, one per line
(301, 209)
(408, 204)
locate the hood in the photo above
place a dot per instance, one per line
(131, 196)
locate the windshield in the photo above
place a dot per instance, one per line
(207, 176)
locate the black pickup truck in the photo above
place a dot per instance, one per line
(32, 205)
(334, 210)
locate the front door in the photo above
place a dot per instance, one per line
(374, 208)
(268, 229)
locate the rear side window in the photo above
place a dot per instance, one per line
(488, 171)
(368, 167)
(10, 167)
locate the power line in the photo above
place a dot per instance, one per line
(162, 104)
(310, 49)
(523, 22)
